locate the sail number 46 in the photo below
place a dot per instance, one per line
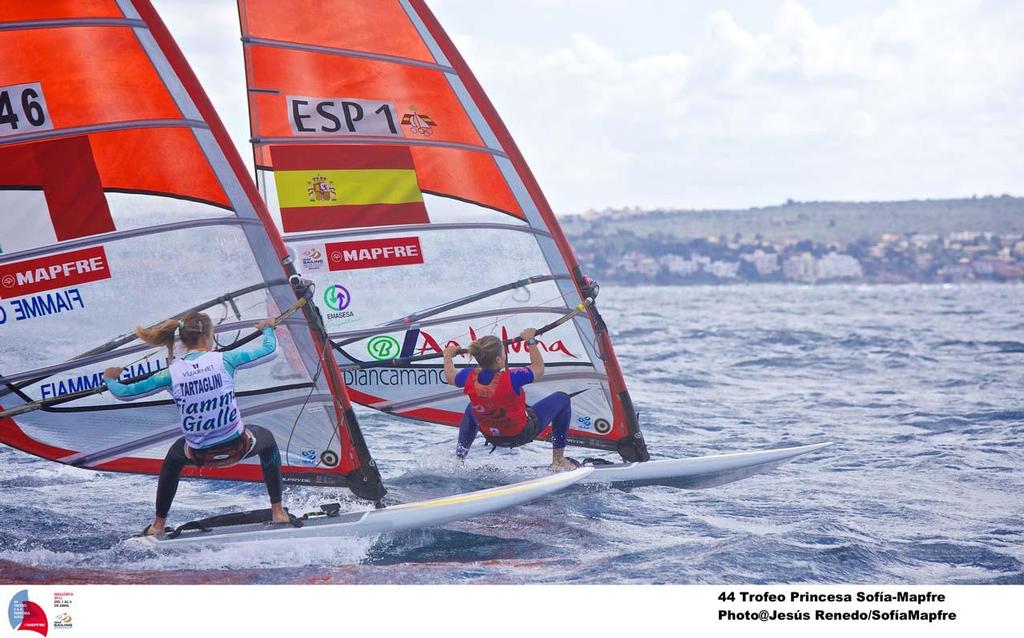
(342, 116)
(23, 109)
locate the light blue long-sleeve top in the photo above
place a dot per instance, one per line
(232, 360)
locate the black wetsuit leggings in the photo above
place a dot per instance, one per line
(175, 462)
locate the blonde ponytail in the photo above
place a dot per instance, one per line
(486, 351)
(161, 334)
(190, 328)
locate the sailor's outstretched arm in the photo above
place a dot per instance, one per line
(449, 364)
(135, 390)
(238, 358)
(536, 359)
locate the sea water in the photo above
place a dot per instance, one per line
(920, 387)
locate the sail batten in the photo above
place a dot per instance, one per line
(78, 22)
(311, 48)
(355, 232)
(361, 140)
(102, 128)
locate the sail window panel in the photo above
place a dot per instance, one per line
(340, 24)
(303, 434)
(562, 346)
(444, 404)
(413, 92)
(133, 211)
(103, 428)
(139, 432)
(450, 210)
(281, 384)
(88, 75)
(23, 222)
(26, 10)
(138, 280)
(367, 281)
(563, 352)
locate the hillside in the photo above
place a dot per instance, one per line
(822, 222)
(977, 239)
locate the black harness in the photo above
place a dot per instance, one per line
(529, 433)
(224, 455)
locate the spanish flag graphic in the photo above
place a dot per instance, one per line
(325, 187)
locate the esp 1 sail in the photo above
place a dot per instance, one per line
(123, 202)
(403, 197)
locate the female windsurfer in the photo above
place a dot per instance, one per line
(497, 401)
(202, 384)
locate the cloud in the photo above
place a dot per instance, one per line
(916, 100)
(689, 105)
(208, 34)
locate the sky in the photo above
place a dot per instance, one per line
(720, 104)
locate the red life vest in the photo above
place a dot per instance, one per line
(498, 410)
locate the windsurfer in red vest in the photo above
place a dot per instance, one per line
(497, 401)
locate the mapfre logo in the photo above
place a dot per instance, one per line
(53, 271)
(25, 615)
(374, 253)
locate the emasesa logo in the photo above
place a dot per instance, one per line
(25, 615)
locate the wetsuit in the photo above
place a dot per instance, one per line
(554, 409)
(202, 384)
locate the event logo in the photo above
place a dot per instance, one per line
(337, 297)
(383, 348)
(62, 621)
(25, 615)
(418, 123)
(313, 259)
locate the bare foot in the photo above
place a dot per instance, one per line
(563, 465)
(277, 513)
(158, 526)
(559, 463)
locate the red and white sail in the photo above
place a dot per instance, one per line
(123, 202)
(405, 199)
